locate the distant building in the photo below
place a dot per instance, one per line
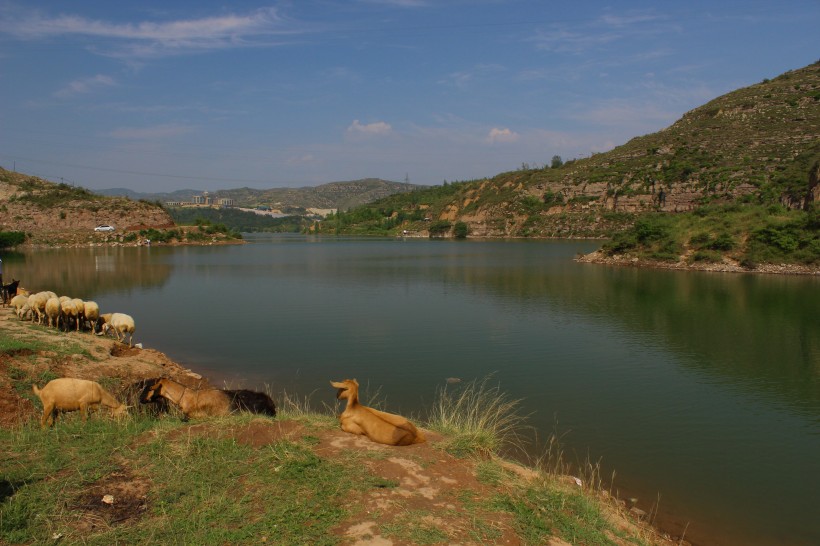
(203, 199)
(225, 202)
(174, 203)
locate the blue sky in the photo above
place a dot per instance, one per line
(157, 96)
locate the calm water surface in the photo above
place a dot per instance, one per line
(700, 389)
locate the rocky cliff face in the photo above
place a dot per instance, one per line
(57, 213)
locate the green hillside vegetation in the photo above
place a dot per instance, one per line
(744, 166)
(237, 220)
(748, 234)
(333, 195)
(10, 239)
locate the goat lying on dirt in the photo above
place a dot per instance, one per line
(379, 426)
(208, 402)
(68, 394)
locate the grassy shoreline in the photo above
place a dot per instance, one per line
(295, 479)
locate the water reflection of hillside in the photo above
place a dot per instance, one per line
(88, 272)
(761, 332)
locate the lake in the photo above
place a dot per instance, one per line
(700, 390)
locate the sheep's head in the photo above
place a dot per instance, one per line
(347, 388)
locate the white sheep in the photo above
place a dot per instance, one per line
(53, 312)
(20, 304)
(91, 312)
(69, 312)
(80, 305)
(37, 304)
(121, 324)
(68, 394)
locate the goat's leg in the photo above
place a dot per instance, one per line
(48, 410)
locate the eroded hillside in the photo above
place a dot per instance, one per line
(58, 213)
(758, 144)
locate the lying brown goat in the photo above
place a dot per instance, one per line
(379, 426)
(68, 394)
(207, 402)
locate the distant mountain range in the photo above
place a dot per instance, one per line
(333, 195)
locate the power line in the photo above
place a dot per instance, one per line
(139, 173)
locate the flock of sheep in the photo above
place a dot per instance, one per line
(49, 310)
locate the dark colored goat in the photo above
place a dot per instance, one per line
(252, 401)
(9, 291)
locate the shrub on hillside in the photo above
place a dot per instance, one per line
(461, 230)
(10, 239)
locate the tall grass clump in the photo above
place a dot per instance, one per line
(302, 409)
(477, 418)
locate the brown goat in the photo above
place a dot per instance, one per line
(379, 426)
(68, 394)
(208, 402)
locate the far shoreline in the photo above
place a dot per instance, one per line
(727, 266)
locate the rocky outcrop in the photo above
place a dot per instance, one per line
(813, 194)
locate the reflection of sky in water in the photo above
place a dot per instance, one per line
(702, 387)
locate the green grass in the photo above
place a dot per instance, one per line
(202, 490)
(61, 345)
(746, 232)
(541, 511)
(476, 418)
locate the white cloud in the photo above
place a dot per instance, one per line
(378, 128)
(463, 77)
(148, 38)
(150, 133)
(502, 135)
(399, 3)
(85, 85)
(303, 159)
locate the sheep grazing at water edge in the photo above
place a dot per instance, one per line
(37, 304)
(80, 306)
(20, 304)
(91, 313)
(70, 313)
(53, 312)
(379, 426)
(208, 402)
(68, 394)
(121, 324)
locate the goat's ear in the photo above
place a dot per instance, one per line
(338, 385)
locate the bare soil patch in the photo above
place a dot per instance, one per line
(115, 499)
